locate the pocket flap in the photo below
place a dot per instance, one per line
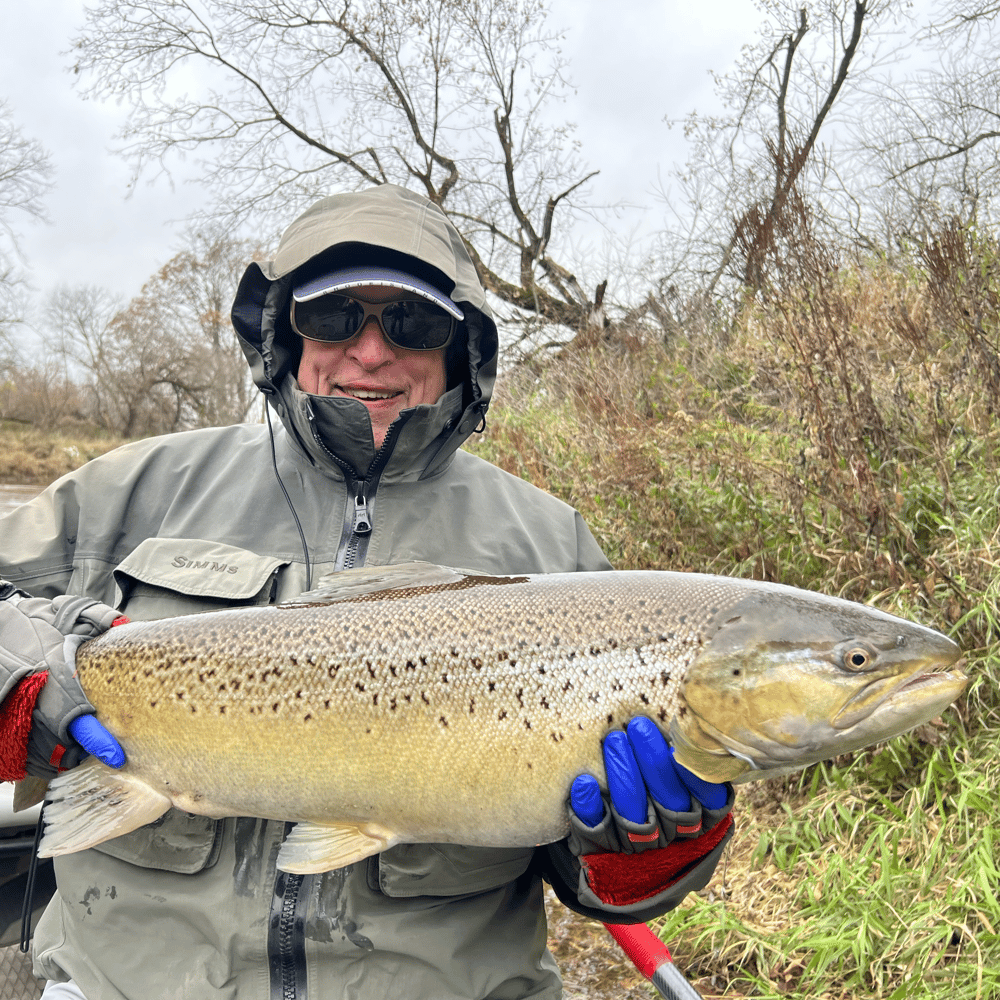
(198, 568)
(449, 869)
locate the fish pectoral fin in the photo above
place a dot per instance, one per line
(29, 792)
(312, 848)
(93, 803)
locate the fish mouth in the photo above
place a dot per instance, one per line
(921, 695)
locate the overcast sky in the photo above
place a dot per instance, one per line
(634, 64)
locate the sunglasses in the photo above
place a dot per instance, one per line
(412, 324)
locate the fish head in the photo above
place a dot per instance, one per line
(787, 678)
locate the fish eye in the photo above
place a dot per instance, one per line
(858, 658)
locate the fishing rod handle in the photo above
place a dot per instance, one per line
(652, 958)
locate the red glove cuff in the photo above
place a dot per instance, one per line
(15, 725)
(623, 879)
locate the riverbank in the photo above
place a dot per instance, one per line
(31, 457)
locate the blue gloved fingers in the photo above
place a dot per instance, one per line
(585, 799)
(625, 784)
(711, 794)
(656, 763)
(96, 740)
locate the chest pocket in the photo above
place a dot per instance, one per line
(162, 577)
(409, 870)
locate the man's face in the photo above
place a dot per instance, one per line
(387, 379)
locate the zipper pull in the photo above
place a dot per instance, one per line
(362, 520)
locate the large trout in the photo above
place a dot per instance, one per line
(418, 703)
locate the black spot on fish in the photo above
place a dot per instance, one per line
(643, 699)
(424, 698)
(443, 721)
(276, 706)
(611, 717)
(527, 724)
(502, 714)
(222, 710)
(664, 678)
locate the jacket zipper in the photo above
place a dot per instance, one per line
(360, 494)
(286, 936)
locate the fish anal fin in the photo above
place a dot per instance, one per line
(93, 803)
(311, 847)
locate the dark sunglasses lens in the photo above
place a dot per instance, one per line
(416, 325)
(331, 318)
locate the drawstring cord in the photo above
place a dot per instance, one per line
(288, 499)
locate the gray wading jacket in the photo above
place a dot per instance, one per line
(192, 907)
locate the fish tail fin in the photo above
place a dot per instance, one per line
(93, 803)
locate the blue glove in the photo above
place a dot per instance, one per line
(96, 740)
(653, 799)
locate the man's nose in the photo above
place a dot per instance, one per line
(369, 346)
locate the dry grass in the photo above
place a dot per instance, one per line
(32, 457)
(842, 437)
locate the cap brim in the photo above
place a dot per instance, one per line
(356, 277)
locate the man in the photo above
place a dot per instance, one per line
(370, 335)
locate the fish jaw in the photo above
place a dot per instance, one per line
(775, 697)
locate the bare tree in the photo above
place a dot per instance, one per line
(25, 173)
(169, 358)
(284, 100)
(933, 135)
(762, 166)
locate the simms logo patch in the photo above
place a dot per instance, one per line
(182, 562)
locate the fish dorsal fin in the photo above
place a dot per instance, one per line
(312, 848)
(350, 584)
(93, 803)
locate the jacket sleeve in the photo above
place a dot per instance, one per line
(37, 541)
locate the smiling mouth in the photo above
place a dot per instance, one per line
(368, 395)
